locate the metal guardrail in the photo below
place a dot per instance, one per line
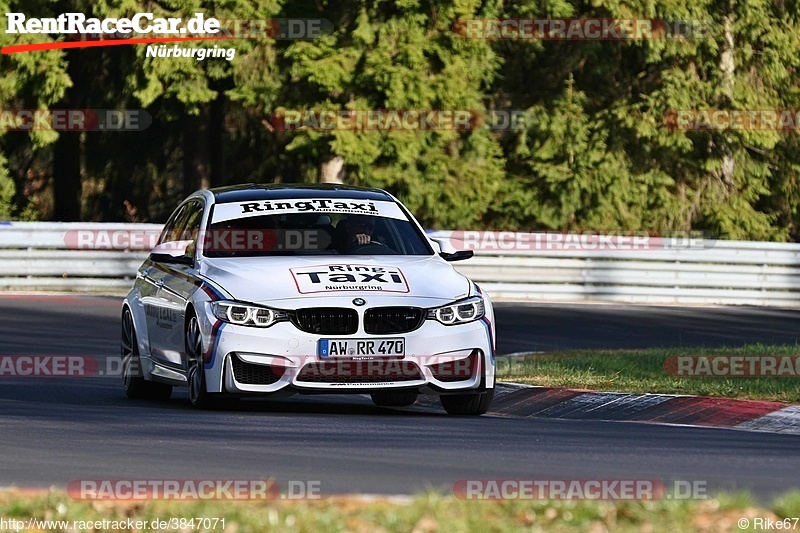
(65, 257)
(666, 271)
(58, 256)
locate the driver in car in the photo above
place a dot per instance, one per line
(358, 230)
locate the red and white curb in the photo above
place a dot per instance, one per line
(786, 420)
(525, 401)
(512, 399)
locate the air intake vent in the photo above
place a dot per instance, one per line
(252, 374)
(388, 320)
(326, 320)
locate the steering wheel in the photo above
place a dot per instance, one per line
(371, 247)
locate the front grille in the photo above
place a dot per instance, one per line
(252, 374)
(383, 320)
(459, 370)
(360, 371)
(326, 320)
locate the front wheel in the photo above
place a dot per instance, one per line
(136, 387)
(474, 404)
(196, 374)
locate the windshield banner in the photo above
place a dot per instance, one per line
(344, 206)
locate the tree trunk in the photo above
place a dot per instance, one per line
(196, 159)
(728, 67)
(67, 150)
(332, 170)
(67, 177)
(216, 141)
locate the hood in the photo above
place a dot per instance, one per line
(269, 279)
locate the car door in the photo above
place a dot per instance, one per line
(179, 283)
(162, 316)
(152, 276)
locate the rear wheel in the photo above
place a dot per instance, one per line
(467, 404)
(394, 398)
(136, 387)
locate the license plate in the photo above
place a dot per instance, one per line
(362, 347)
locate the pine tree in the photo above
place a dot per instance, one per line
(29, 81)
(402, 56)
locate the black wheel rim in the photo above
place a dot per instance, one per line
(128, 347)
(194, 355)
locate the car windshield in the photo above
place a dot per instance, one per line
(315, 233)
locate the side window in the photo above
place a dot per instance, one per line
(168, 234)
(184, 225)
(190, 228)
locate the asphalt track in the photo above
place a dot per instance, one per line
(55, 430)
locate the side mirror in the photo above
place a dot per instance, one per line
(457, 256)
(448, 252)
(173, 253)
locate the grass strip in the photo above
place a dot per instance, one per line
(423, 513)
(642, 371)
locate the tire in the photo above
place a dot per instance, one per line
(196, 375)
(474, 404)
(136, 387)
(394, 398)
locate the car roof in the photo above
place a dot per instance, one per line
(280, 191)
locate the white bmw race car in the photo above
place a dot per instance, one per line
(259, 290)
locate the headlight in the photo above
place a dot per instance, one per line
(459, 313)
(246, 314)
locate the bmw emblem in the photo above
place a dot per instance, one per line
(359, 301)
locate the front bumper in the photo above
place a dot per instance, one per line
(438, 359)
